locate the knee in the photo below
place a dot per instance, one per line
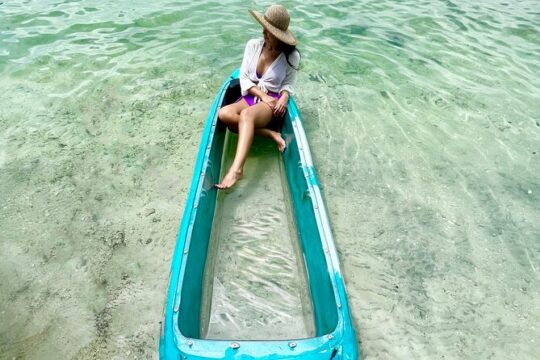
(224, 114)
(246, 116)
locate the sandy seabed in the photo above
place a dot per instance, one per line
(424, 126)
(92, 192)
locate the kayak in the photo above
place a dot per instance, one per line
(334, 335)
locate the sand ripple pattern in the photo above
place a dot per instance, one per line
(424, 125)
(259, 286)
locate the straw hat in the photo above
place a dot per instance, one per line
(276, 20)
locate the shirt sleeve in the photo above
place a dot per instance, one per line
(290, 75)
(245, 81)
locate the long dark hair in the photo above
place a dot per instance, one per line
(288, 50)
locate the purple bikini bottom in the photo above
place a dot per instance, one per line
(252, 99)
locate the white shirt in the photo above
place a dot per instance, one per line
(278, 77)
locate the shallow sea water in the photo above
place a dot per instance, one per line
(423, 121)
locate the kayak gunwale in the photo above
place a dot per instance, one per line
(338, 343)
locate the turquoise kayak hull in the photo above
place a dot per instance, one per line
(334, 336)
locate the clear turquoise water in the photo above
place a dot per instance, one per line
(424, 124)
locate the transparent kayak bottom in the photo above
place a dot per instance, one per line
(255, 284)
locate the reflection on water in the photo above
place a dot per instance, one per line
(423, 122)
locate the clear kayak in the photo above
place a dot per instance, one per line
(333, 335)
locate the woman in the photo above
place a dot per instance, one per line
(266, 76)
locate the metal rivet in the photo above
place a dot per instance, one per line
(339, 306)
(235, 345)
(292, 344)
(185, 252)
(330, 336)
(176, 308)
(189, 343)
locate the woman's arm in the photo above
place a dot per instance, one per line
(290, 74)
(281, 104)
(263, 96)
(245, 81)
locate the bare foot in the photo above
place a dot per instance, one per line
(279, 140)
(229, 180)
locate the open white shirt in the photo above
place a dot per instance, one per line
(278, 77)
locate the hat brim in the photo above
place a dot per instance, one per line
(285, 36)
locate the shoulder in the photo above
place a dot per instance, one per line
(294, 58)
(254, 43)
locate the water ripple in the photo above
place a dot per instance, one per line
(423, 121)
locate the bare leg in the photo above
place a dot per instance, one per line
(256, 116)
(230, 115)
(274, 135)
(271, 134)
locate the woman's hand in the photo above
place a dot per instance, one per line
(281, 106)
(272, 102)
